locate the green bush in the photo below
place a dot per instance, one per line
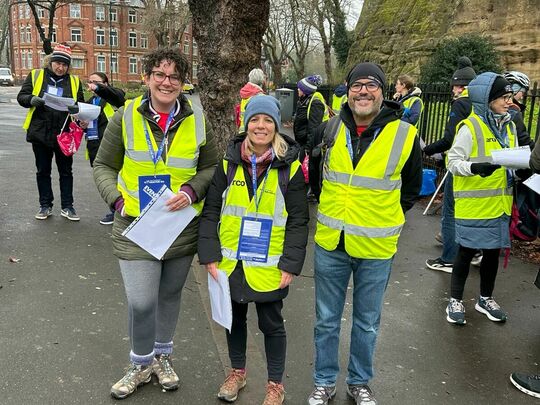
(443, 62)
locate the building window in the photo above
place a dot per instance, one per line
(30, 59)
(40, 12)
(113, 13)
(100, 64)
(132, 39)
(195, 69)
(23, 59)
(195, 49)
(28, 34)
(114, 64)
(21, 11)
(75, 10)
(76, 35)
(186, 46)
(77, 63)
(100, 37)
(41, 58)
(144, 40)
(113, 38)
(27, 11)
(22, 31)
(100, 13)
(132, 17)
(132, 65)
(53, 37)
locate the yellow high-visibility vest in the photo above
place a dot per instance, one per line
(483, 197)
(243, 104)
(364, 201)
(408, 103)
(180, 162)
(337, 102)
(262, 277)
(319, 96)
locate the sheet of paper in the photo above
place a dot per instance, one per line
(156, 228)
(88, 112)
(515, 158)
(57, 103)
(533, 183)
(220, 299)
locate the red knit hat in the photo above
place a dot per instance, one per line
(61, 53)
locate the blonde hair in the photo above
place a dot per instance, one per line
(279, 145)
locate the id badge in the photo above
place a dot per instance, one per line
(149, 186)
(254, 240)
(55, 91)
(92, 132)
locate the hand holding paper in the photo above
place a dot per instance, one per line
(515, 158)
(87, 112)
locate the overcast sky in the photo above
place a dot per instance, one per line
(352, 18)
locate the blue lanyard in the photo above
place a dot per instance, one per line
(157, 155)
(96, 100)
(349, 142)
(254, 180)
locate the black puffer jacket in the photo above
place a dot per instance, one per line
(296, 230)
(305, 126)
(46, 123)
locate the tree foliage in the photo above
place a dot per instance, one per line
(443, 62)
(166, 20)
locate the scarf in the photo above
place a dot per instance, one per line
(262, 161)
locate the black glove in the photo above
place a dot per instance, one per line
(484, 169)
(428, 150)
(37, 102)
(73, 109)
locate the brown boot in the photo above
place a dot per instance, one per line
(235, 381)
(275, 394)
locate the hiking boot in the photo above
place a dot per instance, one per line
(527, 383)
(439, 238)
(491, 309)
(477, 259)
(235, 381)
(321, 395)
(136, 375)
(361, 394)
(438, 264)
(275, 394)
(455, 312)
(44, 213)
(162, 367)
(70, 214)
(107, 219)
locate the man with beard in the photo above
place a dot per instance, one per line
(372, 176)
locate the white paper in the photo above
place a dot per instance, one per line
(515, 158)
(57, 103)
(220, 299)
(156, 228)
(533, 183)
(87, 112)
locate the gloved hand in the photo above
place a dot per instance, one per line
(73, 109)
(484, 169)
(428, 150)
(37, 102)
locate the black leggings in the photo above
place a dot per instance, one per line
(275, 339)
(488, 271)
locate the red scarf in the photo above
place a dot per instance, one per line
(262, 161)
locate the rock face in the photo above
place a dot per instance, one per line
(400, 35)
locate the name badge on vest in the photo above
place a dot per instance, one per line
(55, 91)
(254, 239)
(149, 186)
(92, 131)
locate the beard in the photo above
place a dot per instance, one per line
(369, 110)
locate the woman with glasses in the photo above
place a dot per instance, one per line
(154, 140)
(109, 99)
(483, 192)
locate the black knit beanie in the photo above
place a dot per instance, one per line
(366, 70)
(464, 73)
(500, 87)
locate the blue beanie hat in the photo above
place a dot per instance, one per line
(263, 104)
(309, 84)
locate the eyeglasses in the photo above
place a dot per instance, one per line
(370, 86)
(507, 97)
(160, 77)
(94, 82)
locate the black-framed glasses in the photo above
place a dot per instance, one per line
(507, 97)
(370, 86)
(160, 77)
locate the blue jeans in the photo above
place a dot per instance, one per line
(332, 274)
(448, 222)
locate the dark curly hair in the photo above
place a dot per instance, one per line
(154, 58)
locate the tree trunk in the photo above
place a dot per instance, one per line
(278, 75)
(229, 35)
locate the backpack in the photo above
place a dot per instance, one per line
(524, 223)
(283, 176)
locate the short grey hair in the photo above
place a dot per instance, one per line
(256, 76)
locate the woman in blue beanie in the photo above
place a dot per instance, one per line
(254, 228)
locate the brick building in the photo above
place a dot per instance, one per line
(105, 36)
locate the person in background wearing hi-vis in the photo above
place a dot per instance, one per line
(254, 86)
(155, 140)
(339, 97)
(43, 124)
(259, 182)
(372, 175)
(408, 95)
(483, 192)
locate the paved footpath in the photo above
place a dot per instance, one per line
(63, 314)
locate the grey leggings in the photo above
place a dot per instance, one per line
(153, 290)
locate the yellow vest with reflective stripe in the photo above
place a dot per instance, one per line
(243, 103)
(180, 162)
(37, 84)
(319, 97)
(337, 102)
(262, 277)
(409, 103)
(483, 197)
(108, 110)
(364, 201)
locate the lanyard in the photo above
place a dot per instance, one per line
(157, 155)
(254, 179)
(56, 81)
(96, 100)
(349, 142)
